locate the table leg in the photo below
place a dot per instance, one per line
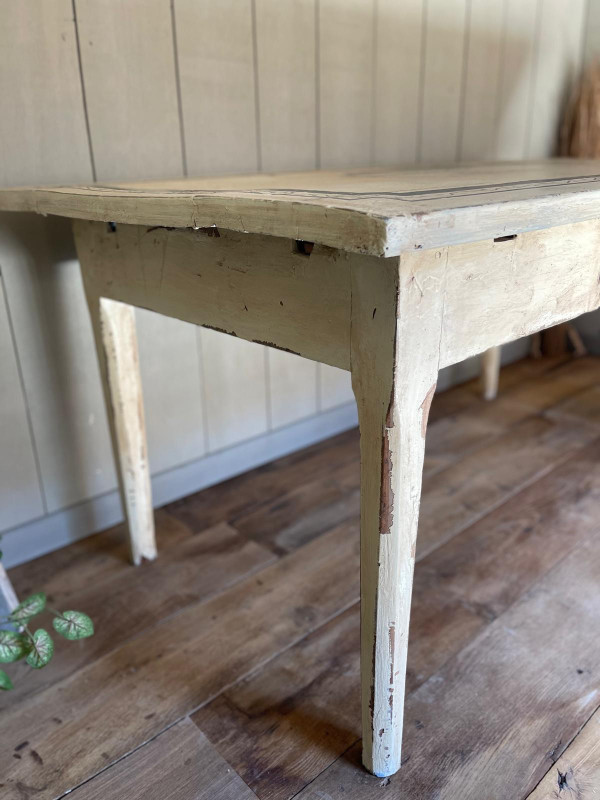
(8, 597)
(395, 355)
(490, 370)
(116, 343)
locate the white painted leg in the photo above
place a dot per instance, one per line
(116, 344)
(490, 371)
(396, 314)
(8, 597)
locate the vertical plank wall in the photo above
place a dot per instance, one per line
(118, 89)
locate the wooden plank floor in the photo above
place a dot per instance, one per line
(228, 669)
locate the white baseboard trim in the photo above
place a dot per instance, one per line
(68, 525)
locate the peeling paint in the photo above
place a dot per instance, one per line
(392, 642)
(386, 503)
(425, 406)
(275, 346)
(219, 330)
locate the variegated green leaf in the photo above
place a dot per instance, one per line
(73, 625)
(5, 681)
(13, 646)
(29, 608)
(42, 649)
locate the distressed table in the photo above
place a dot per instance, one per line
(389, 274)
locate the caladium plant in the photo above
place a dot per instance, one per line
(17, 641)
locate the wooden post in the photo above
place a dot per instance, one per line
(116, 344)
(8, 597)
(395, 343)
(490, 372)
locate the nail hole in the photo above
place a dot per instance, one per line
(304, 248)
(505, 238)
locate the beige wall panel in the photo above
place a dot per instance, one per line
(516, 83)
(286, 52)
(478, 126)
(42, 122)
(57, 357)
(216, 67)
(346, 81)
(292, 388)
(335, 387)
(442, 79)
(169, 366)
(235, 383)
(591, 45)
(20, 495)
(559, 51)
(398, 53)
(128, 64)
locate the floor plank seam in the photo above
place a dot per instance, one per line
(469, 644)
(527, 484)
(120, 758)
(561, 752)
(263, 664)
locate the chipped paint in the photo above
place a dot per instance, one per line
(392, 643)
(425, 406)
(386, 502)
(275, 346)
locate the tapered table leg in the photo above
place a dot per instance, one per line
(116, 344)
(395, 356)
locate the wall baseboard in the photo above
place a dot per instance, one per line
(70, 524)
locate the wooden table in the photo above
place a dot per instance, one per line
(391, 275)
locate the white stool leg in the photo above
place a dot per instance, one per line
(490, 371)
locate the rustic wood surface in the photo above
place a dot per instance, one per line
(255, 635)
(180, 764)
(576, 774)
(382, 212)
